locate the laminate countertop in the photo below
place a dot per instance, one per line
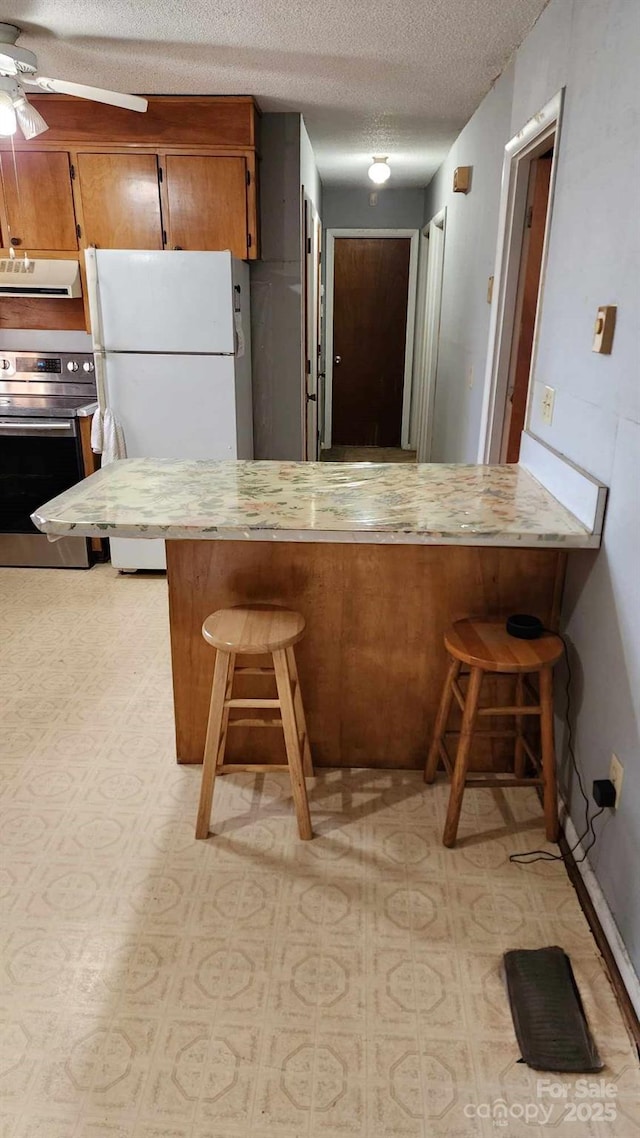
(405, 503)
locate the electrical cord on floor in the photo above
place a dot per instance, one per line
(532, 856)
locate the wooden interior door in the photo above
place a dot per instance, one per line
(120, 196)
(207, 202)
(38, 201)
(526, 306)
(370, 293)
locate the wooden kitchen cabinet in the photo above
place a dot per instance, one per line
(37, 210)
(206, 203)
(119, 200)
(184, 174)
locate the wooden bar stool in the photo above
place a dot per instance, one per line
(486, 647)
(254, 630)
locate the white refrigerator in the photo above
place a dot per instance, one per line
(172, 342)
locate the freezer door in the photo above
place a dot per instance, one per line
(174, 406)
(153, 301)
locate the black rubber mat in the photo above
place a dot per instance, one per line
(547, 1011)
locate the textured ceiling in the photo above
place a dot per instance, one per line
(397, 77)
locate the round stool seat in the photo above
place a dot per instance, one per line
(486, 644)
(253, 629)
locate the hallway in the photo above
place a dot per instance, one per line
(367, 454)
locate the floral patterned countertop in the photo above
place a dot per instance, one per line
(430, 503)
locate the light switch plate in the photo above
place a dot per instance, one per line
(603, 329)
(548, 399)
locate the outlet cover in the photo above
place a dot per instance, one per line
(616, 774)
(548, 400)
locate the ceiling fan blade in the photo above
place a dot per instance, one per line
(82, 91)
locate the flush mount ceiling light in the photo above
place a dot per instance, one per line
(379, 171)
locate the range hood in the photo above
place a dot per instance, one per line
(22, 276)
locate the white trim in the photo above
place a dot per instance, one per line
(578, 491)
(428, 336)
(518, 154)
(414, 235)
(619, 952)
(420, 330)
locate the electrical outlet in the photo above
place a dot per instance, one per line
(616, 774)
(548, 399)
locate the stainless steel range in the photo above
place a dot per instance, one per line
(43, 399)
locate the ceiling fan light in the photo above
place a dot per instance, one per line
(379, 171)
(8, 120)
(30, 120)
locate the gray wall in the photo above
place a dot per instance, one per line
(287, 163)
(592, 47)
(347, 208)
(470, 247)
(276, 294)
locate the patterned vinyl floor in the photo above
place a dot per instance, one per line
(250, 986)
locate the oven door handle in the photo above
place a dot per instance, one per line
(62, 427)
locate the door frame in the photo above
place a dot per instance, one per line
(414, 235)
(311, 261)
(428, 309)
(519, 152)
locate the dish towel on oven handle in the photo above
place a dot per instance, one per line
(107, 436)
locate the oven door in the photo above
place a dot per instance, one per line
(39, 458)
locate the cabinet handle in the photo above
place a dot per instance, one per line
(16, 241)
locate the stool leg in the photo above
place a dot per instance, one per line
(442, 717)
(301, 719)
(225, 712)
(519, 765)
(548, 754)
(212, 744)
(461, 764)
(292, 743)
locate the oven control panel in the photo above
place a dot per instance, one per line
(28, 366)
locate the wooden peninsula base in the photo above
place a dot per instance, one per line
(372, 661)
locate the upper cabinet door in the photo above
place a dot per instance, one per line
(120, 198)
(207, 203)
(38, 201)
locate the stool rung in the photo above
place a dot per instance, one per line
(256, 768)
(254, 672)
(510, 734)
(257, 722)
(252, 703)
(525, 709)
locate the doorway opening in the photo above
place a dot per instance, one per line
(528, 177)
(526, 305)
(371, 285)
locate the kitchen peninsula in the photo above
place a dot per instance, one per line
(379, 558)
